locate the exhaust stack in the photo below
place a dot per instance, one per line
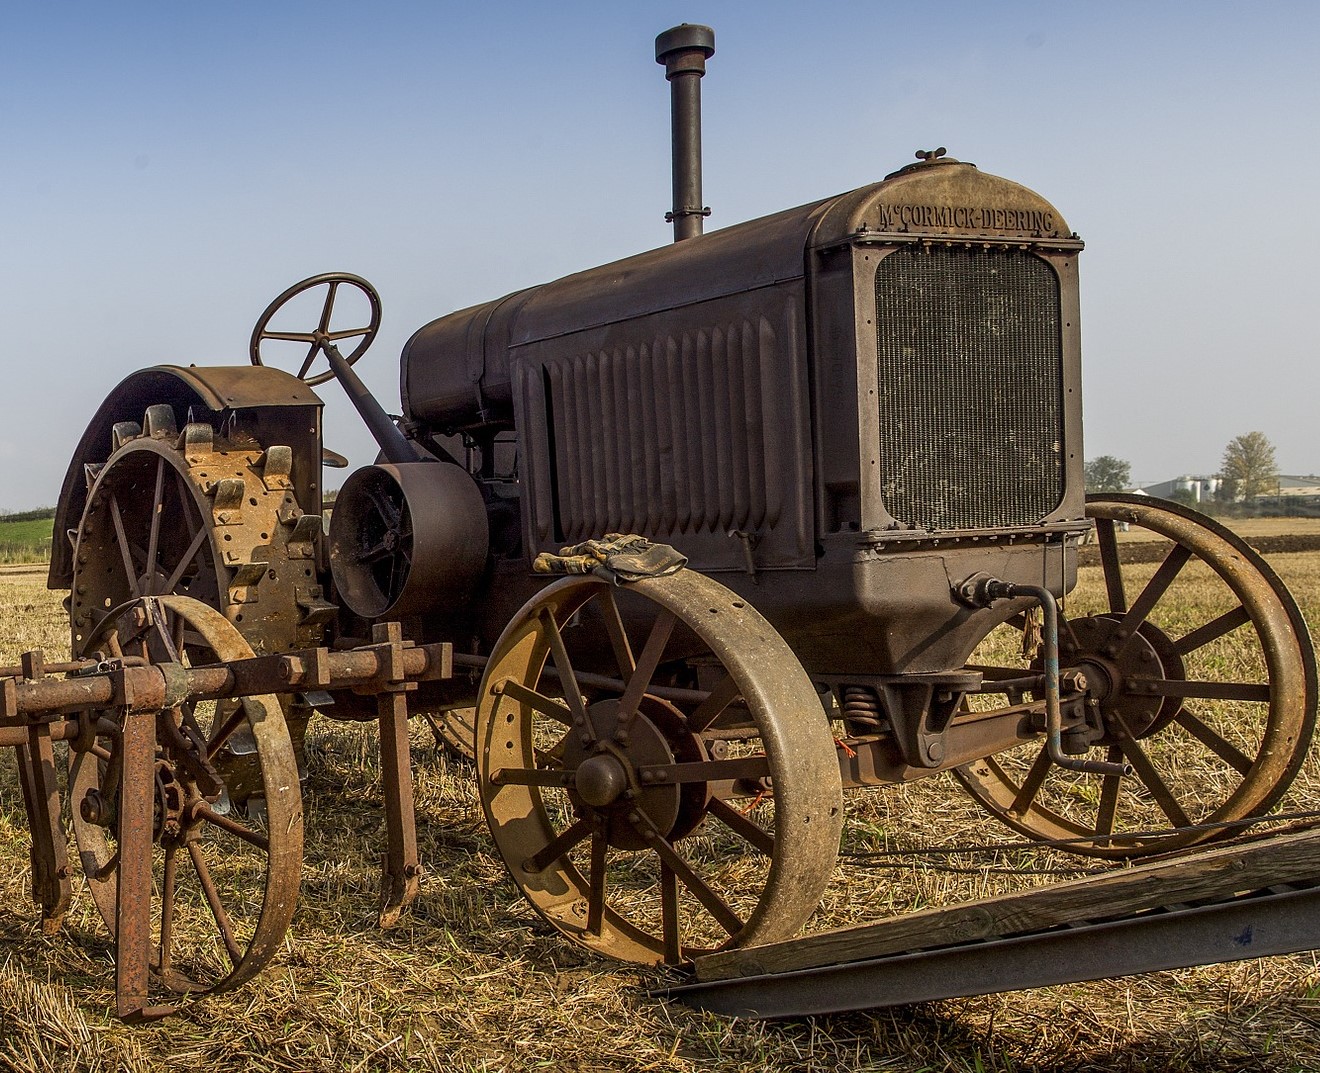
(684, 51)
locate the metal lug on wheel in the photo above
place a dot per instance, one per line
(122, 432)
(159, 421)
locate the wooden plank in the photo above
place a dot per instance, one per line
(1210, 874)
(1259, 924)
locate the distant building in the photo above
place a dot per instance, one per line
(1199, 488)
(1298, 486)
(1203, 489)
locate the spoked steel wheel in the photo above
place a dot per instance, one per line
(223, 887)
(656, 768)
(192, 513)
(1198, 671)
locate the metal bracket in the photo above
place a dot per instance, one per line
(919, 709)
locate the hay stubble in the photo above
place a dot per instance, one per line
(473, 980)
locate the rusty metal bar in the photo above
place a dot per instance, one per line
(133, 897)
(51, 889)
(401, 867)
(150, 686)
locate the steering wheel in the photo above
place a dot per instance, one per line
(323, 335)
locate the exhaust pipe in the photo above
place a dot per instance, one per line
(684, 51)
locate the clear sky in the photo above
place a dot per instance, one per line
(168, 168)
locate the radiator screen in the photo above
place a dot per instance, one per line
(971, 386)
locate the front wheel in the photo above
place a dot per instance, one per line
(656, 768)
(1199, 673)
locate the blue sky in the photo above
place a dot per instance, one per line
(169, 168)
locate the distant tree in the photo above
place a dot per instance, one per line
(1248, 467)
(1108, 474)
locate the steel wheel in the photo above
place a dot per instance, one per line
(656, 768)
(193, 514)
(1199, 673)
(224, 887)
(454, 730)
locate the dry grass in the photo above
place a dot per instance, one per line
(1250, 528)
(472, 980)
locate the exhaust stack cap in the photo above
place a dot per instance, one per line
(685, 48)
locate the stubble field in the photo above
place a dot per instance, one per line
(473, 980)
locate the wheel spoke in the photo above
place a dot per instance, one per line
(1031, 784)
(741, 767)
(552, 758)
(166, 631)
(526, 776)
(290, 337)
(222, 920)
(1258, 692)
(1212, 630)
(1157, 586)
(746, 829)
(567, 680)
(328, 308)
(716, 906)
(373, 555)
(559, 845)
(233, 827)
(157, 509)
(596, 900)
(348, 333)
(1109, 787)
(713, 706)
(673, 948)
(1216, 743)
(538, 702)
(389, 511)
(121, 538)
(623, 655)
(1154, 782)
(307, 361)
(1104, 533)
(399, 571)
(108, 869)
(647, 663)
(225, 730)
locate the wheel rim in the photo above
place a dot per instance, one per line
(1199, 672)
(224, 887)
(454, 730)
(617, 848)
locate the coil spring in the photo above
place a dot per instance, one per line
(863, 711)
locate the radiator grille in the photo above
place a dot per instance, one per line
(683, 434)
(971, 375)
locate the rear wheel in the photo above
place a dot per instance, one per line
(190, 513)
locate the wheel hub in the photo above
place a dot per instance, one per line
(600, 780)
(608, 780)
(1110, 666)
